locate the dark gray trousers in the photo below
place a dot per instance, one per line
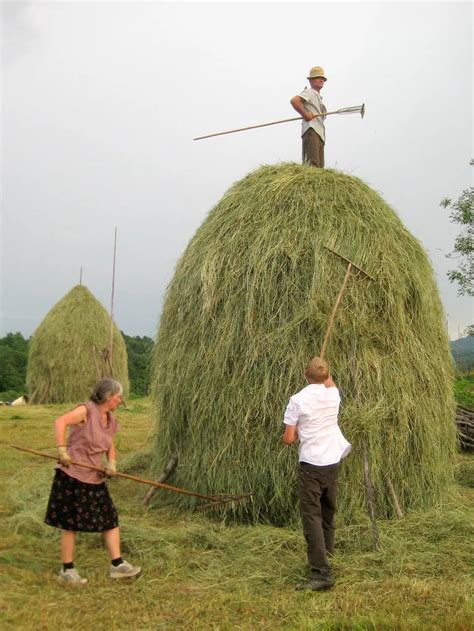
(317, 489)
(313, 149)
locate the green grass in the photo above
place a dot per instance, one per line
(199, 573)
(464, 390)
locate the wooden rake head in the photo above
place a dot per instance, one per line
(350, 265)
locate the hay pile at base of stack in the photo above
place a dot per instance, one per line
(69, 351)
(248, 307)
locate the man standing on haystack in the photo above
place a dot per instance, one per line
(309, 104)
(311, 418)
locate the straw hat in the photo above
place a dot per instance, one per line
(316, 72)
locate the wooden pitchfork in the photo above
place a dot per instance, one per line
(213, 500)
(355, 109)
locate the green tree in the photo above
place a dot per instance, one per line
(463, 214)
(139, 350)
(13, 362)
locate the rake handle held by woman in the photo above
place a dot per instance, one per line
(127, 476)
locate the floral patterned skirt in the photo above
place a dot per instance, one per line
(79, 506)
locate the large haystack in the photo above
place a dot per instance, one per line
(69, 351)
(249, 305)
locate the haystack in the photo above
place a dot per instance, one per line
(70, 351)
(248, 307)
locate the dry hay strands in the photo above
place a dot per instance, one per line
(66, 356)
(248, 306)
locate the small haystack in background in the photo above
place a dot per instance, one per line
(248, 307)
(70, 351)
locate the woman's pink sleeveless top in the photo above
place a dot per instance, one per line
(87, 443)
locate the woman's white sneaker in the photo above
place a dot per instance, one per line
(71, 577)
(124, 570)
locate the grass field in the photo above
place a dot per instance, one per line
(464, 390)
(199, 573)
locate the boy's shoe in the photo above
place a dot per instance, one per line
(71, 577)
(124, 570)
(316, 584)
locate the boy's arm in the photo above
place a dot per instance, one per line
(290, 435)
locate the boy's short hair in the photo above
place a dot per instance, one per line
(317, 370)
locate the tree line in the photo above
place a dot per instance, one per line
(14, 360)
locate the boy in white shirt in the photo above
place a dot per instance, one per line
(311, 418)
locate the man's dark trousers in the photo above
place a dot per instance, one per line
(317, 489)
(313, 149)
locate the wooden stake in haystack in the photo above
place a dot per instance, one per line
(355, 109)
(213, 500)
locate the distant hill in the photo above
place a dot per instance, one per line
(463, 352)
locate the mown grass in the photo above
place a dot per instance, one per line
(199, 573)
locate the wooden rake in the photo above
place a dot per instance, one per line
(212, 500)
(350, 265)
(369, 488)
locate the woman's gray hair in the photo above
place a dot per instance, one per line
(104, 389)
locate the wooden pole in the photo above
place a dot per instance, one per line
(345, 110)
(111, 347)
(370, 492)
(394, 497)
(126, 476)
(164, 475)
(333, 314)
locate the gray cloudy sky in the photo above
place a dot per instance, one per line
(101, 100)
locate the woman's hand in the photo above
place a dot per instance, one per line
(63, 457)
(111, 469)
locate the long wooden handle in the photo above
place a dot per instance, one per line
(333, 315)
(159, 485)
(284, 120)
(343, 110)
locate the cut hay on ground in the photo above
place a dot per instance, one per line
(70, 351)
(248, 307)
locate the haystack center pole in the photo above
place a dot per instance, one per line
(126, 476)
(111, 347)
(344, 110)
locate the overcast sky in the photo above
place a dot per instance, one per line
(101, 100)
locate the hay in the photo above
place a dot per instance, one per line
(249, 305)
(69, 351)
